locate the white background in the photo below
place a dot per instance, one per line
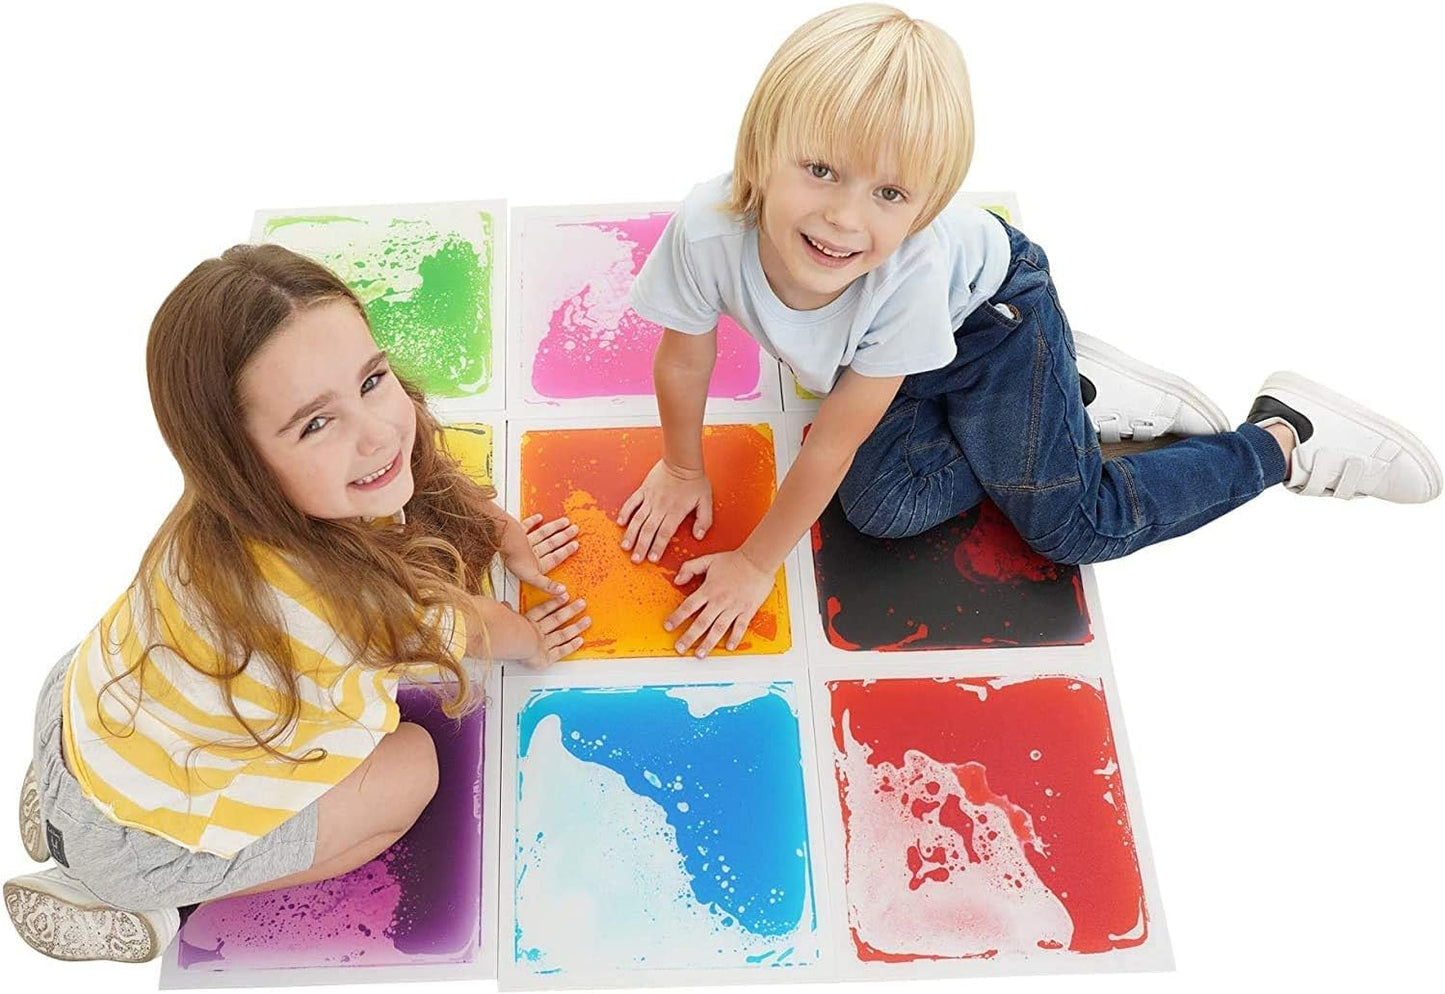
(1224, 191)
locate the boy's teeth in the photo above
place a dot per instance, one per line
(828, 252)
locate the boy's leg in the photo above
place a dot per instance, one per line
(1014, 404)
(909, 474)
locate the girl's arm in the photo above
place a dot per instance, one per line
(678, 484)
(506, 633)
(738, 582)
(543, 635)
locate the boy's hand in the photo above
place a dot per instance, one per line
(518, 548)
(552, 542)
(666, 497)
(558, 636)
(728, 599)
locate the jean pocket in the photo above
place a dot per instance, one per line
(1003, 314)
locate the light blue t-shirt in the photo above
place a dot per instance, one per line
(895, 320)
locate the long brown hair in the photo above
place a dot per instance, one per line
(382, 587)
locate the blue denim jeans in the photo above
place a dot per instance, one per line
(1005, 420)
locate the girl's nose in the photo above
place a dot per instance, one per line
(376, 436)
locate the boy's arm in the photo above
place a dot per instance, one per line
(738, 582)
(678, 484)
(846, 418)
(681, 371)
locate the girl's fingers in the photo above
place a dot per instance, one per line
(573, 630)
(565, 650)
(551, 560)
(549, 530)
(556, 540)
(540, 611)
(559, 617)
(530, 521)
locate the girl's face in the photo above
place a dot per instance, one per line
(329, 418)
(825, 224)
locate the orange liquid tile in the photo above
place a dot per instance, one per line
(587, 474)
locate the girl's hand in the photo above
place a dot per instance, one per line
(552, 542)
(558, 636)
(666, 497)
(518, 551)
(727, 600)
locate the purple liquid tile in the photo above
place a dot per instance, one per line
(418, 902)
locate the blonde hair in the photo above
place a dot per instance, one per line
(851, 85)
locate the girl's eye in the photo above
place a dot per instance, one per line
(819, 171)
(892, 195)
(368, 384)
(315, 424)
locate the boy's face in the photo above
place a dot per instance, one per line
(823, 225)
(329, 418)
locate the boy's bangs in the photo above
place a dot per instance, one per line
(858, 126)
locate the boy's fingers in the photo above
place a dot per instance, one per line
(647, 534)
(703, 521)
(740, 628)
(633, 527)
(698, 628)
(628, 506)
(692, 568)
(684, 610)
(663, 536)
(714, 634)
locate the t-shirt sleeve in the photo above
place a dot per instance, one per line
(912, 330)
(454, 632)
(668, 290)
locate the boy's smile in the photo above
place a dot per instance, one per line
(823, 227)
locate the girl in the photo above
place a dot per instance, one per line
(230, 725)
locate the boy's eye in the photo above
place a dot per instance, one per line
(315, 424)
(819, 171)
(892, 194)
(368, 384)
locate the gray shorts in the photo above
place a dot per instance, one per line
(131, 868)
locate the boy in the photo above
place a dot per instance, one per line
(950, 370)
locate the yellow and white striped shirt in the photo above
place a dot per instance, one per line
(180, 767)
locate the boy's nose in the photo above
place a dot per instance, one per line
(843, 213)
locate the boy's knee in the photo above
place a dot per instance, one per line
(1074, 540)
(879, 522)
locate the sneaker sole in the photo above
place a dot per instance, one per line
(73, 933)
(32, 835)
(1121, 362)
(1413, 447)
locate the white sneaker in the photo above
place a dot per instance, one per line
(1126, 398)
(1344, 449)
(61, 919)
(32, 833)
